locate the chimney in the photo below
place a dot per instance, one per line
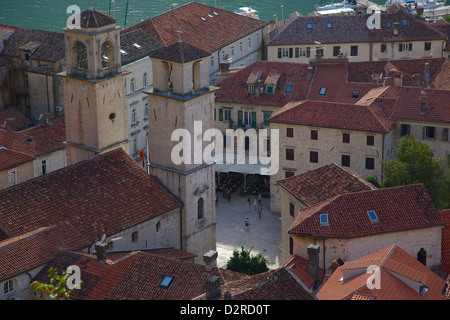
(210, 260)
(100, 249)
(415, 80)
(227, 295)
(310, 72)
(10, 124)
(313, 264)
(258, 88)
(335, 264)
(213, 288)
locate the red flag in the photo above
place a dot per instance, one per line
(141, 154)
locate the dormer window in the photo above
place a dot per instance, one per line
(269, 89)
(251, 88)
(27, 57)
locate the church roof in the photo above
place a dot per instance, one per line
(104, 195)
(180, 52)
(92, 18)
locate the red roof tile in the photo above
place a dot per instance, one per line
(395, 265)
(38, 247)
(323, 183)
(104, 195)
(234, 89)
(332, 115)
(397, 209)
(299, 267)
(92, 18)
(21, 122)
(138, 277)
(180, 52)
(219, 27)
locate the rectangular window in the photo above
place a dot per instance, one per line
(314, 134)
(346, 138)
(308, 52)
(427, 46)
(404, 129)
(336, 50)
(290, 132)
(290, 154)
(313, 157)
(251, 88)
(297, 52)
(291, 245)
(354, 50)
(322, 91)
(429, 132)
(319, 52)
(12, 178)
(291, 52)
(370, 163)
(266, 116)
(291, 209)
(445, 134)
(212, 62)
(285, 52)
(345, 160)
(370, 140)
(383, 47)
(247, 118)
(227, 114)
(324, 219)
(232, 51)
(44, 167)
(288, 174)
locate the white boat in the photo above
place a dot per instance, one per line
(430, 4)
(247, 11)
(346, 4)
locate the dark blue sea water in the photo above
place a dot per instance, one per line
(52, 15)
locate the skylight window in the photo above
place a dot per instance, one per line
(288, 89)
(203, 18)
(137, 46)
(322, 91)
(210, 16)
(404, 22)
(372, 216)
(324, 219)
(309, 26)
(355, 94)
(329, 25)
(216, 13)
(389, 24)
(166, 281)
(123, 52)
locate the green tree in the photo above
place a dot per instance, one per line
(414, 163)
(447, 16)
(57, 288)
(244, 262)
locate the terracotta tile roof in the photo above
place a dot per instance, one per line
(45, 45)
(442, 78)
(352, 29)
(10, 158)
(146, 44)
(364, 71)
(138, 277)
(36, 248)
(92, 18)
(235, 88)
(218, 29)
(332, 115)
(279, 284)
(35, 141)
(445, 247)
(124, 197)
(332, 75)
(397, 209)
(163, 252)
(401, 277)
(180, 52)
(6, 30)
(323, 183)
(299, 267)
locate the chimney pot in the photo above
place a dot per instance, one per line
(210, 260)
(10, 124)
(213, 288)
(100, 249)
(313, 264)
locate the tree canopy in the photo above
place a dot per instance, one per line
(414, 163)
(244, 262)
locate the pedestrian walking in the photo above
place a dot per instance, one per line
(247, 223)
(260, 209)
(249, 203)
(254, 203)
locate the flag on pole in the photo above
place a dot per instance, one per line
(141, 154)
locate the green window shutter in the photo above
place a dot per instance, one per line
(214, 114)
(253, 119)
(239, 117)
(220, 114)
(266, 116)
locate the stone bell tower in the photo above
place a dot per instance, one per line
(94, 88)
(181, 96)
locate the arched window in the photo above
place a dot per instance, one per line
(145, 80)
(81, 55)
(107, 54)
(134, 237)
(132, 85)
(200, 208)
(8, 287)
